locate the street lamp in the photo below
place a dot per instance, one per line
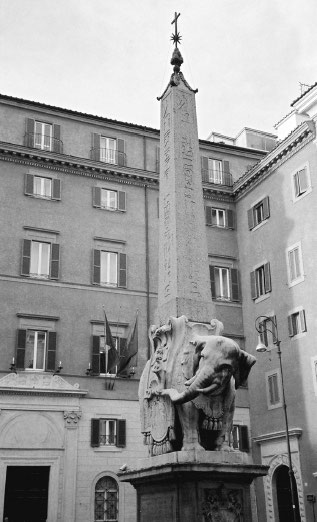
(261, 325)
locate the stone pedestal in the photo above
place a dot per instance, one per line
(194, 486)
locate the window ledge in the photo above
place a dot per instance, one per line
(298, 198)
(106, 449)
(298, 336)
(262, 298)
(259, 225)
(296, 282)
(274, 406)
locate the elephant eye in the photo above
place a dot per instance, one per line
(225, 367)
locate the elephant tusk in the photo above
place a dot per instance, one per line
(210, 388)
(187, 383)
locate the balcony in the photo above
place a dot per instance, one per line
(216, 177)
(111, 156)
(43, 142)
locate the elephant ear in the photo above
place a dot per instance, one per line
(245, 363)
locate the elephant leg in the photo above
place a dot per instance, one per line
(223, 439)
(189, 416)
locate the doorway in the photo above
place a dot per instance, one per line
(26, 494)
(283, 495)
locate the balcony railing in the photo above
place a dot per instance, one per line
(217, 177)
(111, 156)
(43, 142)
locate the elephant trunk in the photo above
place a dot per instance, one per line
(201, 384)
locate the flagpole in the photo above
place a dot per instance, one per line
(105, 337)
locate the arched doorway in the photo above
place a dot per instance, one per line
(283, 494)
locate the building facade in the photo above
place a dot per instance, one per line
(79, 214)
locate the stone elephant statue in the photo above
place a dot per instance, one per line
(192, 378)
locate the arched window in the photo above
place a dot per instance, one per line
(106, 500)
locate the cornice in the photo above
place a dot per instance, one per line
(76, 166)
(302, 135)
(293, 432)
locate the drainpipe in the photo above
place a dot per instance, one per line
(147, 265)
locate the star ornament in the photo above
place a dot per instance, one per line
(176, 38)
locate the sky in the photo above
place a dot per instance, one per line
(112, 58)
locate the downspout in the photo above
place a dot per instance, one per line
(147, 266)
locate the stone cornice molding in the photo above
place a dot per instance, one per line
(293, 432)
(27, 383)
(302, 135)
(42, 317)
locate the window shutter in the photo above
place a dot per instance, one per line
(254, 292)
(95, 152)
(26, 257)
(212, 281)
(204, 168)
(94, 440)
(56, 189)
(243, 438)
(121, 155)
(274, 332)
(226, 171)
(250, 218)
(302, 319)
(96, 197)
(55, 261)
(271, 388)
(57, 144)
(266, 208)
(230, 218)
(29, 185)
(121, 200)
(267, 278)
(121, 433)
(234, 284)
(51, 351)
(30, 130)
(234, 434)
(208, 213)
(122, 270)
(303, 181)
(290, 326)
(157, 161)
(95, 355)
(20, 348)
(96, 267)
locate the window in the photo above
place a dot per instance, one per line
(109, 199)
(297, 323)
(108, 150)
(108, 432)
(224, 283)
(40, 259)
(216, 171)
(42, 187)
(259, 213)
(240, 437)
(106, 500)
(301, 182)
(110, 268)
(261, 281)
(36, 349)
(100, 353)
(43, 135)
(295, 264)
(219, 217)
(273, 389)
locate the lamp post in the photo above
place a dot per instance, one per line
(261, 325)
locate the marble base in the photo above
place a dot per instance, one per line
(201, 486)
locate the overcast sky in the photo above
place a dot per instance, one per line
(111, 57)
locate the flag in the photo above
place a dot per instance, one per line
(131, 350)
(112, 358)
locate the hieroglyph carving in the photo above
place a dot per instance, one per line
(195, 370)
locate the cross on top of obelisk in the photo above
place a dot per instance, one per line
(176, 37)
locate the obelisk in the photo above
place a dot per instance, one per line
(184, 281)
